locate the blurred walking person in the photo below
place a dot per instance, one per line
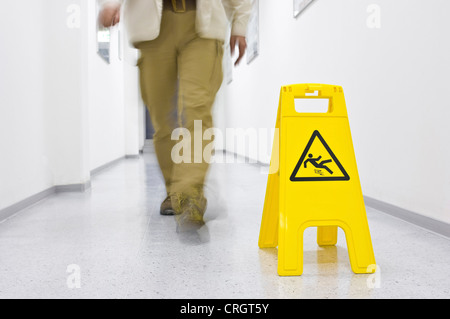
(181, 50)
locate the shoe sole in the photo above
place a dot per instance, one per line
(168, 212)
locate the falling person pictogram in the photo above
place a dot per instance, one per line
(314, 162)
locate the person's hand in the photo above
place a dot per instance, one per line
(109, 15)
(242, 45)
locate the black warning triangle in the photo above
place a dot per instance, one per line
(342, 177)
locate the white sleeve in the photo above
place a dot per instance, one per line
(238, 12)
(101, 3)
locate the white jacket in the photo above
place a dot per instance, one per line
(143, 18)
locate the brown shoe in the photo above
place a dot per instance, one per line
(191, 217)
(167, 207)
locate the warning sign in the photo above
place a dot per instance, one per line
(314, 183)
(318, 163)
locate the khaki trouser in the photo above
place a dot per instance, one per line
(179, 58)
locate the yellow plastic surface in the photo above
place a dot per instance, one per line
(317, 184)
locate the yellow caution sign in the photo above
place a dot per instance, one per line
(317, 183)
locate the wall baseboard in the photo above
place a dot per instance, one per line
(428, 223)
(97, 170)
(10, 211)
(425, 222)
(73, 187)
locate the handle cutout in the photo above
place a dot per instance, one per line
(315, 105)
(315, 93)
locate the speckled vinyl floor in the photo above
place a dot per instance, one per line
(111, 242)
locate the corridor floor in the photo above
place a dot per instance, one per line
(111, 242)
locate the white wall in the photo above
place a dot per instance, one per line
(65, 100)
(24, 167)
(134, 106)
(395, 82)
(114, 97)
(106, 107)
(63, 111)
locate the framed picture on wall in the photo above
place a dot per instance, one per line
(300, 5)
(253, 33)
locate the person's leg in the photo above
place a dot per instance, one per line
(200, 76)
(158, 81)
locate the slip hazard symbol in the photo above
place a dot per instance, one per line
(318, 163)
